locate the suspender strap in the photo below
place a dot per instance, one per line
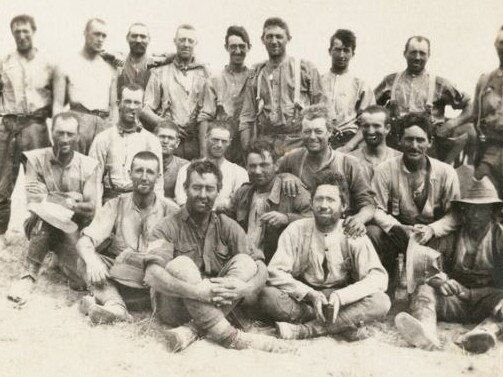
(397, 78)
(431, 92)
(484, 79)
(296, 93)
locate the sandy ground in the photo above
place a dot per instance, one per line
(49, 337)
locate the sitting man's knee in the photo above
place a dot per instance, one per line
(381, 303)
(243, 267)
(185, 269)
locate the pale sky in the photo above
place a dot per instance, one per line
(462, 32)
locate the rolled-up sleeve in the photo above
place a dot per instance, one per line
(209, 102)
(153, 91)
(103, 222)
(368, 270)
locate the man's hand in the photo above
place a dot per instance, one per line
(354, 227)
(203, 290)
(498, 310)
(274, 218)
(36, 188)
(407, 229)
(227, 290)
(317, 299)
(182, 133)
(423, 233)
(452, 288)
(290, 185)
(97, 271)
(335, 302)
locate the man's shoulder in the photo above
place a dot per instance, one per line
(389, 165)
(300, 226)
(178, 161)
(388, 79)
(228, 225)
(85, 161)
(441, 167)
(294, 154)
(234, 168)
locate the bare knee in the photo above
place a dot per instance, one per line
(185, 269)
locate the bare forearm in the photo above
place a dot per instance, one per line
(162, 281)
(365, 214)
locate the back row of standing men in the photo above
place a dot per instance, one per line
(276, 102)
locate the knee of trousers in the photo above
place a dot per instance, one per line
(185, 269)
(380, 304)
(277, 305)
(242, 267)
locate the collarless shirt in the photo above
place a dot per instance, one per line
(368, 165)
(27, 83)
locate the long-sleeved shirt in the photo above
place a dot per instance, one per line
(347, 95)
(411, 95)
(360, 194)
(114, 150)
(176, 92)
(354, 268)
(233, 177)
(210, 250)
(275, 108)
(224, 90)
(27, 85)
(295, 208)
(368, 166)
(171, 170)
(488, 104)
(395, 204)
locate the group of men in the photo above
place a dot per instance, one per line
(271, 193)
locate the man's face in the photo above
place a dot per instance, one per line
(237, 49)
(138, 39)
(185, 41)
(499, 45)
(169, 140)
(95, 36)
(201, 192)
(261, 168)
(414, 143)
(315, 134)
(275, 40)
(65, 135)
(144, 175)
(373, 128)
(23, 36)
(217, 142)
(476, 217)
(417, 55)
(327, 205)
(341, 55)
(130, 106)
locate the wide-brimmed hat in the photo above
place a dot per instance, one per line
(128, 269)
(422, 262)
(55, 210)
(482, 191)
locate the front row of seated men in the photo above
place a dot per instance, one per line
(323, 274)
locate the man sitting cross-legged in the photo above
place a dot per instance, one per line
(200, 266)
(321, 281)
(470, 289)
(111, 246)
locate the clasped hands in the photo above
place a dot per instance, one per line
(221, 291)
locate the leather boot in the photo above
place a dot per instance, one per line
(310, 329)
(482, 338)
(180, 337)
(107, 314)
(418, 333)
(242, 340)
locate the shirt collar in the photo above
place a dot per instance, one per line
(193, 64)
(228, 68)
(331, 158)
(54, 161)
(185, 215)
(153, 207)
(122, 130)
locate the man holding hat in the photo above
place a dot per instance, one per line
(61, 194)
(111, 246)
(470, 288)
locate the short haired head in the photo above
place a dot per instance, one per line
(137, 24)
(376, 109)
(260, 146)
(418, 38)
(186, 27)
(64, 116)
(167, 124)
(238, 31)
(420, 120)
(315, 112)
(91, 21)
(329, 177)
(132, 87)
(203, 167)
(146, 156)
(221, 124)
(276, 21)
(347, 37)
(23, 19)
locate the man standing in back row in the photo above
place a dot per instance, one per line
(175, 91)
(277, 90)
